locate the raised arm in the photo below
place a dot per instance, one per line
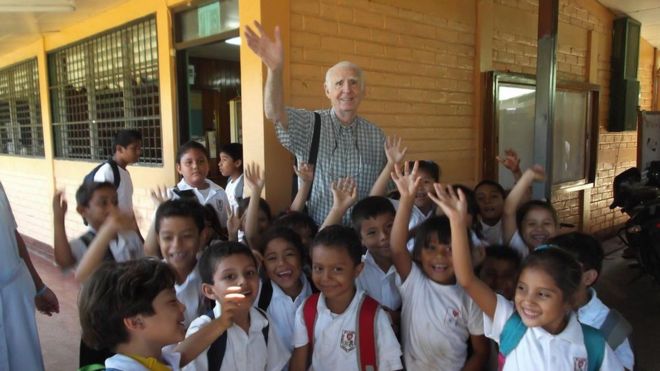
(271, 54)
(407, 183)
(254, 181)
(455, 207)
(61, 249)
(515, 199)
(305, 172)
(151, 247)
(344, 195)
(395, 154)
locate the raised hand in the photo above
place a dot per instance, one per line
(159, 195)
(254, 179)
(453, 204)
(233, 224)
(510, 160)
(393, 150)
(270, 51)
(539, 172)
(305, 172)
(407, 181)
(344, 193)
(233, 299)
(59, 205)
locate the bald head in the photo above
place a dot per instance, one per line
(344, 65)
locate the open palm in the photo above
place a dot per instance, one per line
(270, 51)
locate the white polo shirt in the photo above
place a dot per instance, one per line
(380, 285)
(335, 343)
(126, 246)
(492, 233)
(517, 243)
(125, 189)
(436, 321)
(190, 294)
(282, 309)
(594, 314)
(214, 195)
(539, 350)
(234, 191)
(245, 351)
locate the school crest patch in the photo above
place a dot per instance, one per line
(347, 342)
(579, 364)
(452, 316)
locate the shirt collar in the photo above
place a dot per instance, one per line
(572, 333)
(368, 259)
(182, 185)
(304, 293)
(339, 125)
(257, 320)
(589, 311)
(323, 308)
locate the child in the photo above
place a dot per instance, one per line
(590, 310)
(286, 286)
(249, 342)
(192, 163)
(328, 340)
(180, 225)
(539, 331)
(499, 269)
(534, 222)
(438, 317)
(301, 223)
(231, 166)
(127, 147)
(132, 309)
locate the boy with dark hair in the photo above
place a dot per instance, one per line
(301, 223)
(499, 269)
(327, 322)
(590, 310)
(231, 166)
(126, 149)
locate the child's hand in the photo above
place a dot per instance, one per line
(305, 172)
(120, 222)
(232, 300)
(344, 193)
(159, 195)
(47, 302)
(538, 171)
(254, 179)
(233, 224)
(407, 181)
(510, 160)
(59, 205)
(393, 150)
(453, 204)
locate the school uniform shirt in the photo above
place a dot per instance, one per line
(594, 314)
(492, 233)
(335, 340)
(234, 191)
(282, 310)
(380, 285)
(126, 246)
(436, 321)
(190, 294)
(245, 351)
(539, 350)
(126, 363)
(125, 189)
(518, 244)
(19, 339)
(213, 195)
(417, 217)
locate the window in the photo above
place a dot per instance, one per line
(511, 125)
(103, 84)
(21, 132)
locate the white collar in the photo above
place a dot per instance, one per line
(257, 319)
(368, 259)
(182, 185)
(593, 308)
(572, 333)
(304, 292)
(323, 308)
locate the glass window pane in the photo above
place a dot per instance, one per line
(568, 154)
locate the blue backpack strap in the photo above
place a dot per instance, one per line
(513, 331)
(216, 352)
(595, 344)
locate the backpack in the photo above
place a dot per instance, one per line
(87, 239)
(216, 352)
(89, 178)
(365, 329)
(514, 330)
(615, 329)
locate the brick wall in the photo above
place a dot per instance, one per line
(645, 75)
(30, 202)
(418, 65)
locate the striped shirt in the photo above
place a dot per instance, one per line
(354, 150)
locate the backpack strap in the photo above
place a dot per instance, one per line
(595, 344)
(314, 149)
(309, 316)
(264, 330)
(266, 295)
(615, 329)
(366, 336)
(115, 172)
(87, 237)
(513, 331)
(216, 352)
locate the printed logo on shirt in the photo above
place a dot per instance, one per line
(453, 316)
(347, 340)
(579, 364)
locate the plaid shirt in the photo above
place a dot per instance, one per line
(354, 150)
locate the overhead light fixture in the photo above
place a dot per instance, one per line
(39, 6)
(234, 40)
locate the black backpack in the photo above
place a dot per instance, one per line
(89, 178)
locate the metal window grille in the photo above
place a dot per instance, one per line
(103, 84)
(21, 132)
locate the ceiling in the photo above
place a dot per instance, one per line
(645, 11)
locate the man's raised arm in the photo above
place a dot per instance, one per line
(272, 55)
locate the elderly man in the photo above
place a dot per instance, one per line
(349, 146)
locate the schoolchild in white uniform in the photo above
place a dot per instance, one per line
(231, 166)
(132, 309)
(552, 338)
(192, 163)
(336, 263)
(590, 310)
(230, 278)
(21, 289)
(438, 318)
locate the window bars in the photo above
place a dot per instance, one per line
(21, 131)
(103, 84)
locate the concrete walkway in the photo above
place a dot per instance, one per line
(638, 300)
